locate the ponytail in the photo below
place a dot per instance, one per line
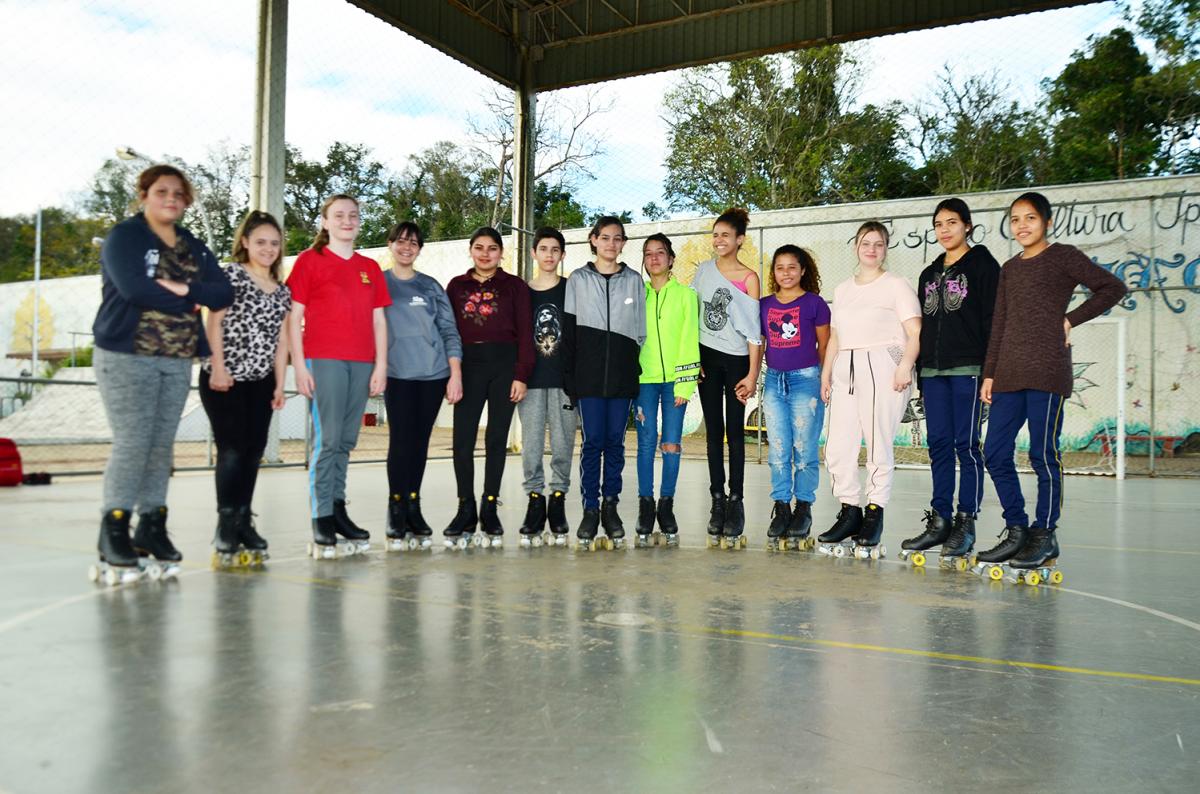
(322, 238)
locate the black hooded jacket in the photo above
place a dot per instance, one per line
(956, 310)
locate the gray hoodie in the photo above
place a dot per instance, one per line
(422, 336)
(728, 317)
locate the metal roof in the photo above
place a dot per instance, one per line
(571, 42)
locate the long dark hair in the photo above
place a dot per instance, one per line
(253, 220)
(810, 279)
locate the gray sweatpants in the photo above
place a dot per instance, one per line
(340, 395)
(144, 398)
(543, 407)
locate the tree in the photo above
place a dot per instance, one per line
(1174, 87)
(444, 190)
(778, 131)
(555, 206)
(222, 182)
(348, 168)
(971, 137)
(67, 248)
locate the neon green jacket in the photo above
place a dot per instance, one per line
(671, 351)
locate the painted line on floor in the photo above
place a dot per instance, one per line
(940, 656)
(1130, 605)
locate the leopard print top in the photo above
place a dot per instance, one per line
(250, 329)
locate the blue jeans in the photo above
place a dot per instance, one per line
(650, 397)
(795, 415)
(604, 420)
(1044, 412)
(953, 421)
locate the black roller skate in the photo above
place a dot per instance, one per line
(324, 545)
(358, 540)
(958, 547)
(732, 536)
(489, 521)
(645, 523)
(990, 563)
(418, 533)
(585, 536)
(610, 522)
(157, 554)
(716, 519)
(535, 522)
(866, 542)
(230, 549)
(397, 524)
(462, 527)
(837, 540)
(118, 562)
(1037, 561)
(248, 533)
(556, 516)
(937, 530)
(781, 514)
(666, 521)
(799, 528)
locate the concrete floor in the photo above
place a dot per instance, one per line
(643, 670)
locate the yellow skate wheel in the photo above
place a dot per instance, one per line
(244, 558)
(216, 561)
(995, 573)
(742, 542)
(918, 559)
(1033, 578)
(960, 564)
(1056, 577)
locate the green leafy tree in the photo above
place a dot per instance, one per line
(347, 168)
(445, 190)
(555, 206)
(67, 247)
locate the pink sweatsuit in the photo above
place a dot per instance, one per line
(868, 321)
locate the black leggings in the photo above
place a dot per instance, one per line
(240, 419)
(724, 414)
(487, 369)
(412, 408)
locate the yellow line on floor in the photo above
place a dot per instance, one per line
(950, 657)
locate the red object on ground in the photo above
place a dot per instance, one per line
(369, 420)
(10, 463)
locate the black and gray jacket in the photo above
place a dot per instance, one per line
(956, 308)
(603, 330)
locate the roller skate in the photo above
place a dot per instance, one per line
(118, 561)
(229, 548)
(937, 530)
(556, 517)
(800, 527)
(462, 527)
(157, 555)
(866, 542)
(990, 563)
(716, 519)
(956, 553)
(646, 536)
(397, 525)
(534, 526)
(248, 535)
(585, 536)
(732, 536)
(358, 540)
(666, 521)
(489, 521)
(837, 541)
(418, 532)
(324, 545)
(781, 514)
(610, 522)
(1037, 561)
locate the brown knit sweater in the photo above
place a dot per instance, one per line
(1026, 349)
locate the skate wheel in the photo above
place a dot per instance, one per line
(413, 544)
(537, 541)
(882, 551)
(839, 551)
(960, 564)
(713, 541)
(995, 573)
(877, 553)
(918, 559)
(154, 572)
(1056, 577)
(93, 573)
(244, 559)
(1033, 578)
(741, 542)
(215, 561)
(497, 542)
(111, 577)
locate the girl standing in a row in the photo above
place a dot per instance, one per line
(339, 354)
(424, 366)
(795, 328)
(492, 310)
(730, 354)
(244, 378)
(670, 364)
(876, 324)
(1027, 376)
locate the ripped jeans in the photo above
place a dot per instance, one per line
(795, 415)
(650, 397)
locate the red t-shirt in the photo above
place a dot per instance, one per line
(339, 297)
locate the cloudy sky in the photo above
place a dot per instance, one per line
(85, 76)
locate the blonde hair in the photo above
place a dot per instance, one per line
(322, 238)
(874, 226)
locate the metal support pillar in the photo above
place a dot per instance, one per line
(268, 163)
(524, 152)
